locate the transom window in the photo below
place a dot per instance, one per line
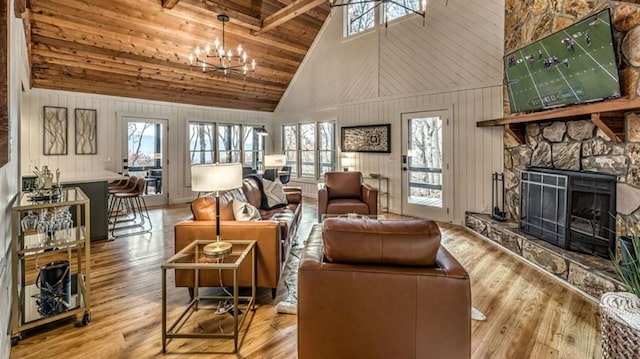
(361, 15)
(310, 148)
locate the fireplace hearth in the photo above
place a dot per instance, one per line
(572, 210)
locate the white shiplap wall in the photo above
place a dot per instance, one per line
(110, 149)
(454, 61)
(9, 172)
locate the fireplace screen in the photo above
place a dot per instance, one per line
(572, 210)
(543, 206)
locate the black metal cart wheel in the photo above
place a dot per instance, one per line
(15, 340)
(86, 318)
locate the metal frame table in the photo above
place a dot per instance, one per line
(192, 257)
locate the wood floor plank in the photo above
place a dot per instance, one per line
(529, 315)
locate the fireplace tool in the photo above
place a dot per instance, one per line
(497, 197)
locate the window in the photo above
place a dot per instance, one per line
(326, 146)
(253, 147)
(308, 150)
(399, 8)
(360, 17)
(229, 143)
(313, 144)
(290, 137)
(201, 143)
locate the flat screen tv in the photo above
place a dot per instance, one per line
(574, 65)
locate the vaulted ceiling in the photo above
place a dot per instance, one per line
(140, 48)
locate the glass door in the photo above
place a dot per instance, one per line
(146, 144)
(427, 178)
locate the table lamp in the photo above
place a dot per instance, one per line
(347, 161)
(215, 178)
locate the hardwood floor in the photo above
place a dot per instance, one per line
(529, 314)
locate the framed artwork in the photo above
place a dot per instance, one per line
(54, 130)
(371, 138)
(86, 131)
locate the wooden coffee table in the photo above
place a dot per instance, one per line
(192, 258)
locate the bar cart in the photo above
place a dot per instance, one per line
(50, 259)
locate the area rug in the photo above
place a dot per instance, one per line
(287, 292)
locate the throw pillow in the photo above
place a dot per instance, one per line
(243, 211)
(274, 192)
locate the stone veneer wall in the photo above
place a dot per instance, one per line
(576, 145)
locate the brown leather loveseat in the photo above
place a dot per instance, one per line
(274, 233)
(381, 289)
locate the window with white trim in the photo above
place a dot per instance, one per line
(206, 137)
(360, 17)
(201, 143)
(310, 148)
(229, 143)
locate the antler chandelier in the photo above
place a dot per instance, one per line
(222, 59)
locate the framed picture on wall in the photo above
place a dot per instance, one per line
(370, 138)
(54, 129)
(86, 131)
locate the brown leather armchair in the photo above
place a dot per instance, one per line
(381, 289)
(344, 192)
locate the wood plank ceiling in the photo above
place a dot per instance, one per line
(140, 48)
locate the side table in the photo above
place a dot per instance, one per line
(192, 257)
(383, 192)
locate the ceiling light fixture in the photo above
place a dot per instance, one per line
(422, 11)
(221, 59)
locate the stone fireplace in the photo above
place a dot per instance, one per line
(573, 143)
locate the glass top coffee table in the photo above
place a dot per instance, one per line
(192, 257)
(353, 216)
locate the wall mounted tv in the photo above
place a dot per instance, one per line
(574, 65)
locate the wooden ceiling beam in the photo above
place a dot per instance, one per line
(287, 13)
(319, 13)
(169, 4)
(235, 17)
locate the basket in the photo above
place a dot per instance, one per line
(620, 315)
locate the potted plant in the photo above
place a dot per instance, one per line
(629, 267)
(620, 311)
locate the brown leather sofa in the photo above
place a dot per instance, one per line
(344, 192)
(381, 289)
(274, 234)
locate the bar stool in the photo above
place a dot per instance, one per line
(127, 186)
(130, 206)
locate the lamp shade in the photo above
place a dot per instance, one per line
(216, 177)
(275, 160)
(348, 161)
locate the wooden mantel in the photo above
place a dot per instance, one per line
(608, 116)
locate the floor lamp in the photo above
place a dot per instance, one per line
(215, 178)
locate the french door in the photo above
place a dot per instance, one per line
(427, 168)
(145, 141)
